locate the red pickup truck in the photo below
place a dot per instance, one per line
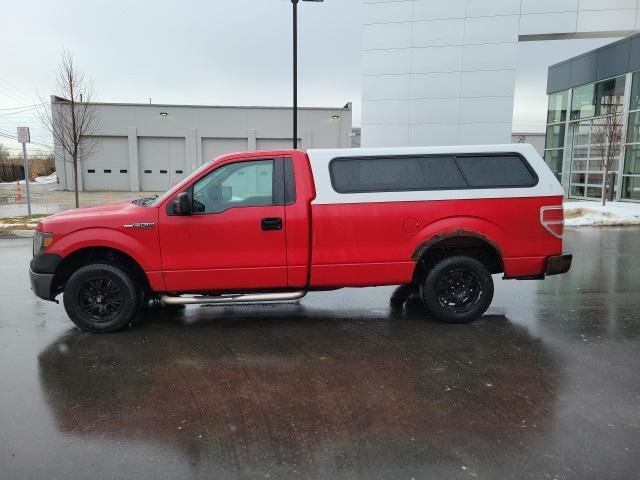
(271, 226)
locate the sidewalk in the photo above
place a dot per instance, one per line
(49, 200)
(46, 200)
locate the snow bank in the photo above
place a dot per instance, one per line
(53, 178)
(586, 213)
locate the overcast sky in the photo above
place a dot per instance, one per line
(210, 52)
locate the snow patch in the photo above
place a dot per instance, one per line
(53, 178)
(585, 213)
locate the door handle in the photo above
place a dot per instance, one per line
(271, 223)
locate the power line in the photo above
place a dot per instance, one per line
(35, 105)
(6, 115)
(13, 137)
(19, 90)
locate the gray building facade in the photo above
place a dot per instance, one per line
(583, 91)
(149, 147)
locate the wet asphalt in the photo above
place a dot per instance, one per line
(337, 386)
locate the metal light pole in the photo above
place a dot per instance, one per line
(295, 68)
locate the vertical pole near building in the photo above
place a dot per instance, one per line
(24, 138)
(26, 177)
(294, 3)
(295, 73)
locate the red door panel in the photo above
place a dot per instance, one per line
(224, 251)
(235, 239)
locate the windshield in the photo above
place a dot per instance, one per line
(181, 184)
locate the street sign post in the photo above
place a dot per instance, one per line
(24, 137)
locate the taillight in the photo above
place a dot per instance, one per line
(552, 218)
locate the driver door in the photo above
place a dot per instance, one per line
(235, 238)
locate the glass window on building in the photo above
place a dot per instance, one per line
(633, 128)
(609, 96)
(553, 158)
(631, 165)
(555, 136)
(556, 127)
(597, 99)
(557, 110)
(634, 101)
(631, 188)
(632, 161)
(583, 104)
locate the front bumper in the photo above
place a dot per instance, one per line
(41, 271)
(558, 264)
(41, 284)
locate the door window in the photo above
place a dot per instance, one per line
(237, 185)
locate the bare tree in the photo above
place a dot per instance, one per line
(70, 117)
(608, 141)
(4, 153)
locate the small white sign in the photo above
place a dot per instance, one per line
(23, 135)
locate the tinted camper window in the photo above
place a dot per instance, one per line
(435, 172)
(395, 174)
(496, 171)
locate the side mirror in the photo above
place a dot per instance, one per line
(226, 193)
(181, 205)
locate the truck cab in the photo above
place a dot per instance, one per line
(273, 225)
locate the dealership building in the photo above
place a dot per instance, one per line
(443, 72)
(583, 91)
(150, 147)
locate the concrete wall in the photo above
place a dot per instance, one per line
(443, 71)
(160, 150)
(534, 139)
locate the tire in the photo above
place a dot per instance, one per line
(458, 289)
(101, 298)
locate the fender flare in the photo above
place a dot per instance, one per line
(460, 226)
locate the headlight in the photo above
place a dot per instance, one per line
(41, 240)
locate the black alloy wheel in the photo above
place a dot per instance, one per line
(457, 289)
(100, 299)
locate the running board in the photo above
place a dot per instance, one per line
(236, 298)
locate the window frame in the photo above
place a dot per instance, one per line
(455, 157)
(277, 185)
(282, 174)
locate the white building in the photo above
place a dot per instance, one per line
(443, 72)
(144, 147)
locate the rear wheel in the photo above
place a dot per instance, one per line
(101, 298)
(458, 289)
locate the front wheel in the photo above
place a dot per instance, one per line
(101, 298)
(458, 289)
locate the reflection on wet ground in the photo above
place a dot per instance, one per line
(340, 385)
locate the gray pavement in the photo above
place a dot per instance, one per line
(338, 386)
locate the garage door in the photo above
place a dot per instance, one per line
(107, 168)
(162, 162)
(274, 144)
(214, 147)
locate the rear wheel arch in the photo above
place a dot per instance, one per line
(460, 242)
